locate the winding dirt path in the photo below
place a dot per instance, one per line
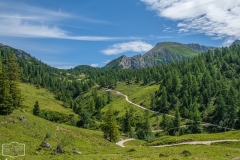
(203, 123)
(121, 142)
(197, 142)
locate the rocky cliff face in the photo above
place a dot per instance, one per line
(134, 62)
(162, 53)
(18, 53)
(199, 47)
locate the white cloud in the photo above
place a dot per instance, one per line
(133, 46)
(20, 20)
(94, 65)
(219, 19)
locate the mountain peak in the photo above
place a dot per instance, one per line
(236, 42)
(162, 53)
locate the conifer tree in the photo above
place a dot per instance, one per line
(6, 101)
(36, 109)
(14, 74)
(177, 121)
(110, 128)
(109, 98)
(164, 101)
(127, 122)
(166, 123)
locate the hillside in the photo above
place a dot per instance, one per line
(189, 92)
(31, 130)
(162, 53)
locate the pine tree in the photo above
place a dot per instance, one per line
(146, 128)
(36, 109)
(14, 74)
(110, 128)
(177, 121)
(197, 120)
(126, 123)
(109, 98)
(153, 101)
(166, 123)
(6, 101)
(164, 101)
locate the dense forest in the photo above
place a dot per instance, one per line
(10, 97)
(205, 88)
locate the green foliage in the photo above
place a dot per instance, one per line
(36, 109)
(110, 128)
(176, 122)
(85, 120)
(167, 123)
(127, 122)
(55, 116)
(10, 94)
(144, 131)
(186, 153)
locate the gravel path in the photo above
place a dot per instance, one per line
(121, 142)
(197, 142)
(203, 123)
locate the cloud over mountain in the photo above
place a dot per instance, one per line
(133, 46)
(217, 19)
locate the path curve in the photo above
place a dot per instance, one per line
(121, 142)
(203, 123)
(197, 142)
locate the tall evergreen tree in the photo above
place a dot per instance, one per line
(166, 124)
(36, 109)
(127, 122)
(14, 74)
(6, 101)
(164, 101)
(109, 98)
(177, 121)
(110, 128)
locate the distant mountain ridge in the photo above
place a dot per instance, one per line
(162, 53)
(236, 42)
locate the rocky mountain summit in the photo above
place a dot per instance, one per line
(162, 53)
(19, 53)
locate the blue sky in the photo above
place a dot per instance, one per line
(65, 34)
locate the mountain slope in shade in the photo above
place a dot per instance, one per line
(19, 53)
(236, 42)
(162, 53)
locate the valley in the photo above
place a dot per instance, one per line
(183, 109)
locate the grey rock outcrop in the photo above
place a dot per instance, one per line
(46, 145)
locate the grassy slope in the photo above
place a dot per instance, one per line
(45, 99)
(194, 137)
(175, 48)
(32, 133)
(91, 143)
(222, 150)
(137, 93)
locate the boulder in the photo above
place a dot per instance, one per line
(46, 145)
